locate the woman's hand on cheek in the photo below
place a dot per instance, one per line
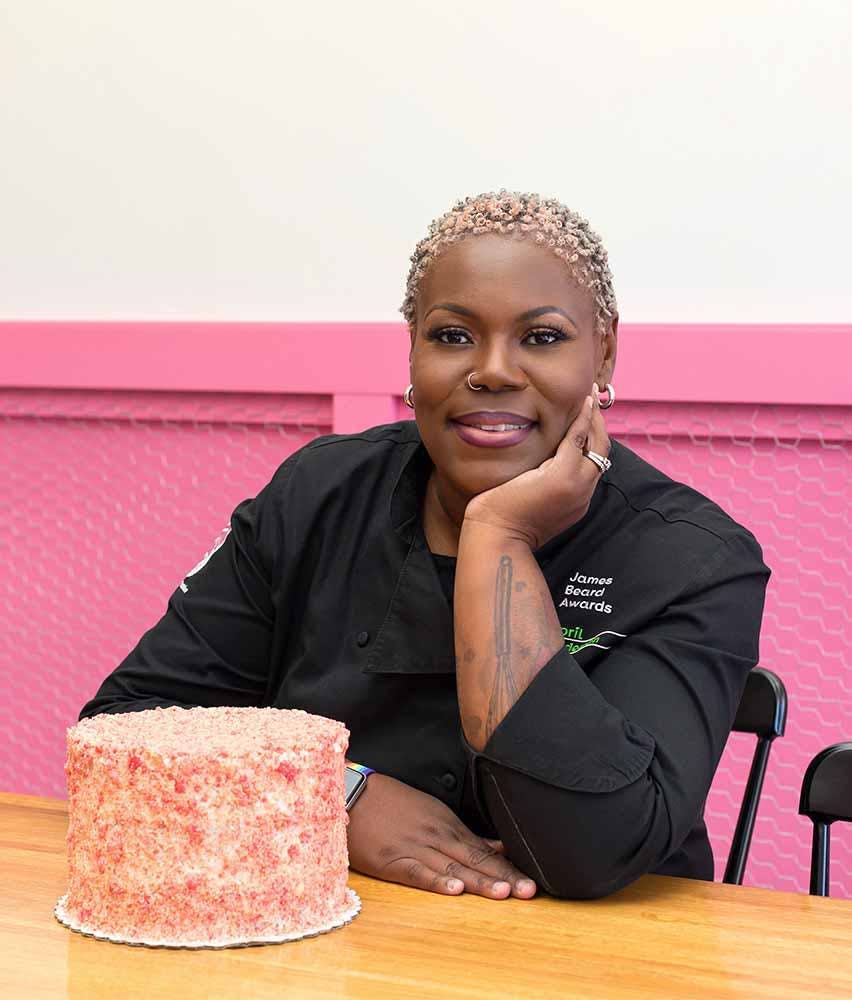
(539, 504)
(400, 834)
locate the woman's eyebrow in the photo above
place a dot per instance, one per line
(529, 314)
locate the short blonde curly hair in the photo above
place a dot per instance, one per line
(515, 214)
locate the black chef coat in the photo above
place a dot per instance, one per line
(324, 596)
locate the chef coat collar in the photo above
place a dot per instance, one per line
(416, 636)
(410, 487)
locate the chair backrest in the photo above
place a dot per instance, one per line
(826, 797)
(762, 711)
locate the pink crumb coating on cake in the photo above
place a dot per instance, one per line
(205, 825)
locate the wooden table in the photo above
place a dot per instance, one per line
(661, 937)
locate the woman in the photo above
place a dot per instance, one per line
(537, 640)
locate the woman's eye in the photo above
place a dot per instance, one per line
(446, 336)
(553, 336)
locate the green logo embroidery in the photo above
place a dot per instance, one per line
(575, 640)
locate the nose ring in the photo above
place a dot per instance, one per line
(475, 388)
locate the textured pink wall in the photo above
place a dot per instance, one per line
(109, 496)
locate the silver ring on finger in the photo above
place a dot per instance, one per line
(601, 461)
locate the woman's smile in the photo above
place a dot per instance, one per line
(492, 428)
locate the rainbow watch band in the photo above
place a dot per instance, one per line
(366, 771)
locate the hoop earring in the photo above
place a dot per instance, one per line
(610, 397)
(408, 397)
(476, 388)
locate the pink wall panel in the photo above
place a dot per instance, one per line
(108, 497)
(103, 516)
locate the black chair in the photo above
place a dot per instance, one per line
(762, 711)
(826, 797)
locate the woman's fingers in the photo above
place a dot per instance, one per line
(576, 438)
(586, 433)
(598, 439)
(474, 881)
(417, 874)
(484, 872)
(581, 427)
(479, 856)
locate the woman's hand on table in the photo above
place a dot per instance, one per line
(400, 834)
(542, 502)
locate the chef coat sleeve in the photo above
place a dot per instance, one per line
(594, 780)
(212, 646)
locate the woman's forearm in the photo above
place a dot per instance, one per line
(506, 627)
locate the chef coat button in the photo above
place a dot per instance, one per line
(362, 638)
(449, 781)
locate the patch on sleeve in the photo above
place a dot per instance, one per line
(217, 544)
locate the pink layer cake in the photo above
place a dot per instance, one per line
(206, 827)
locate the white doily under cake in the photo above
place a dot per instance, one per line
(347, 916)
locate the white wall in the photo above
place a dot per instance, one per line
(225, 159)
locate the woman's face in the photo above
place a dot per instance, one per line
(509, 311)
